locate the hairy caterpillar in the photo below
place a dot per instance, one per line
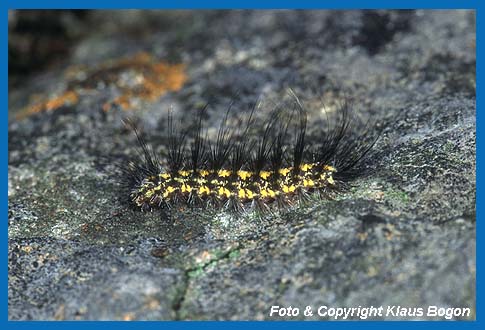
(238, 170)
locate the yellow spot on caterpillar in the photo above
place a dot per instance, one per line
(168, 191)
(186, 188)
(204, 173)
(241, 194)
(264, 174)
(204, 190)
(244, 174)
(284, 171)
(330, 180)
(288, 189)
(267, 193)
(224, 191)
(249, 193)
(165, 176)
(184, 173)
(308, 183)
(329, 168)
(145, 187)
(200, 181)
(306, 167)
(223, 173)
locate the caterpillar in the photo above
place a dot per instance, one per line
(238, 171)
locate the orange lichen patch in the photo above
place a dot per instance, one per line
(66, 98)
(69, 97)
(140, 77)
(137, 78)
(124, 101)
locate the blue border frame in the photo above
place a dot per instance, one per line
(268, 4)
(250, 4)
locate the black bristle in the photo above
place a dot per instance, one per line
(176, 144)
(221, 150)
(198, 146)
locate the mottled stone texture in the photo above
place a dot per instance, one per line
(403, 235)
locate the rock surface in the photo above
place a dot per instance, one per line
(404, 235)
